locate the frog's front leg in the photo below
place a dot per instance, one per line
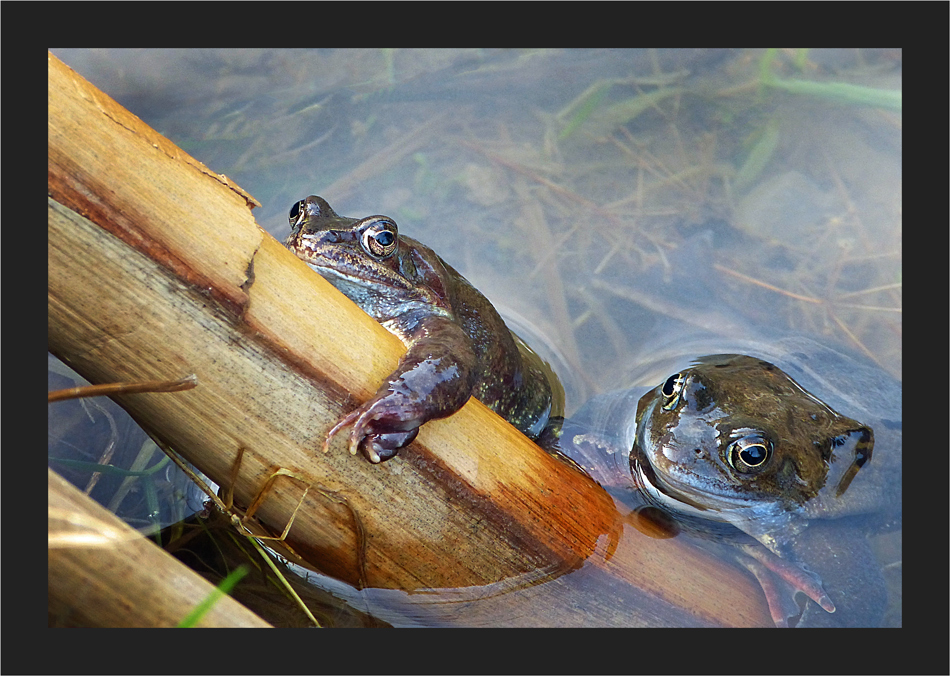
(434, 379)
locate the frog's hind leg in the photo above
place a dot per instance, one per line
(781, 601)
(781, 580)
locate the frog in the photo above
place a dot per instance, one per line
(786, 469)
(458, 346)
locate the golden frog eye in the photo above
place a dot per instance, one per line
(672, 391)
(380, 237)
(751, 453)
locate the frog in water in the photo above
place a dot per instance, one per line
(736, 450)
(458, 345)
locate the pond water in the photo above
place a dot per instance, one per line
(610, 202)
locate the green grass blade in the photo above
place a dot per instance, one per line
(842, 92)
(227, 584)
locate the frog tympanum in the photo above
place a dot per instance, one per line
(458, 345)
(739, 453)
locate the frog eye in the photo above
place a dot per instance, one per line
(380, 238)
(313, 206)
(298, 212)
(750, 453)
(672, 391)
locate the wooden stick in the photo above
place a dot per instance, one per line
(104, 574)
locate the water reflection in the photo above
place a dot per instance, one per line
(97, 446)
(623, 584)
(619, 201)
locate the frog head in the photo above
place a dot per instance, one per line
(734, 439)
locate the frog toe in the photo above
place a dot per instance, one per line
(381, 447)
(343, 422)
(781, 581)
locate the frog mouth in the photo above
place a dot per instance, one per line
(668, 490)
(330, 273)
(350, 286)
(660, 492)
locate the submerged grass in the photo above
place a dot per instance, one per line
(138, 478)
(841, 92)
(837, 92)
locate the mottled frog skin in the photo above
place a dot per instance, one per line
(738, 450)
(458, 345)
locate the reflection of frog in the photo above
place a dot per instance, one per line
(457, 344)
(732, 442)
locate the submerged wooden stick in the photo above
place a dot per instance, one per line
(157, 268)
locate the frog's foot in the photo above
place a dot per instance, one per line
(381, 447)
(377, 446)
(781, 580)
(781, 603)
